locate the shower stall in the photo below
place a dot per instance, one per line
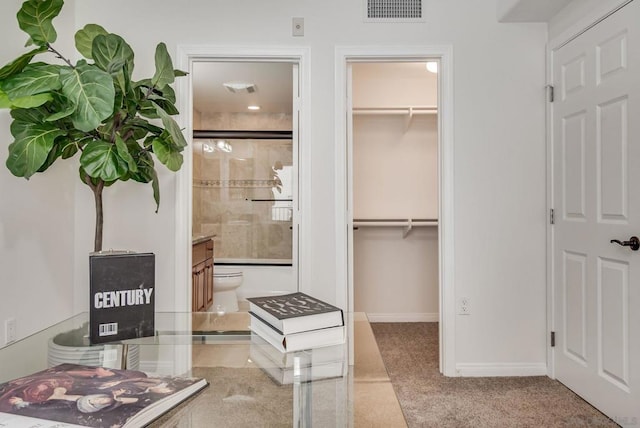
(243, 190)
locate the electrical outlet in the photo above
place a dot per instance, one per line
(464, 306)
(9, 330)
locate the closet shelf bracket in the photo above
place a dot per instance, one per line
(407, 229)
(407, 124)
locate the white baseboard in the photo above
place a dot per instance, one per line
(403, 317)
(501, 369)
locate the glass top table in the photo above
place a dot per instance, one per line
(245, 388)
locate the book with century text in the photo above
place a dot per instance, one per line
(122, 293)
(296, 312)
(72, 395)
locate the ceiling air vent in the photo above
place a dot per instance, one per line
(394, 11)
(240, 87)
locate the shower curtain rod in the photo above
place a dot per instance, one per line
(244, 135)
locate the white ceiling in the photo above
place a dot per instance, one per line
(273, 80)
(529, 10)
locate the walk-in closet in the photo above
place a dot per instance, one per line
(395, 190)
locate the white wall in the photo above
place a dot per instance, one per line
(499, 150)
(396, 278)
(395, 159)
(499, 146)
(580, 13)
(36, 216)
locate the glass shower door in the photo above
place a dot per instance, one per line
(243, 193)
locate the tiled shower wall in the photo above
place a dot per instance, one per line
(228, 189)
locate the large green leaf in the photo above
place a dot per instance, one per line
(68, 147)
(169, 93)
(111, 53)
(29, 151)
(141, 128)
(72, 143)
(19, 63)
(5, 102)
(100, 160)
(155, 184)
(136, 133)
(91, 91)
(144, 83)
(164, 104)
(24, 102)
(148, 110)
(35, 79)
(168, 155)
(54, 154)
(164, 68)
(123, 152)
(35, 115)
(86, 179)
(65, 112)
(147, 174)
(171, 126)
(84, 39)
(35, 18)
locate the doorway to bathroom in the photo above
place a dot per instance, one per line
(245, 170)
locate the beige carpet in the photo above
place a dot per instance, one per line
(428, 399)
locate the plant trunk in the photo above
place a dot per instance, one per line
(97, 194)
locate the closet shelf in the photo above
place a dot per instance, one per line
(408, 110)
(407, 224)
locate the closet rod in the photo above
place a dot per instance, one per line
(395, 110)
(407, 225)
(395, 222)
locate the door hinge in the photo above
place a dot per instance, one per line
(553, 339)
(552, 216)
(550, 94)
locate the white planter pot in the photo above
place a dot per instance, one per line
(73, 347)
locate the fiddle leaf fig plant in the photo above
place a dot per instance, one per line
(91, 110)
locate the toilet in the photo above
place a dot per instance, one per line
(225, 283)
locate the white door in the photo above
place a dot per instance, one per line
(596, 198)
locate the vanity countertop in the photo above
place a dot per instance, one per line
(198, 239)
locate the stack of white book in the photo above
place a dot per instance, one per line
(297, 338)
(296, 321)
(299, 366)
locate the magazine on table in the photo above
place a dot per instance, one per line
(73, 395)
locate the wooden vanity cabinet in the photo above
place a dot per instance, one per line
(202, 276)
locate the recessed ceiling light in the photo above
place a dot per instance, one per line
(432, 66)
(253, 107)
